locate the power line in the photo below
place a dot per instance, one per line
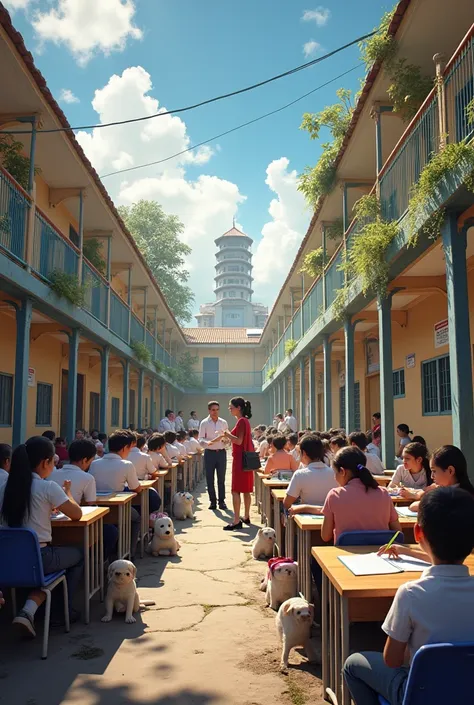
(204, 102)
(233, 129)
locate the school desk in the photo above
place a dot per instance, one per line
(143, 501)
(308, 534)
(258, 491)
(350, 598)
(200, 466)
(402, 502)
(172, 480)
(278, 497)
(269, 484)
(120, 514)
(383, 480)
(192, 470)
(88, 533)
(389, 473)
(159, 483)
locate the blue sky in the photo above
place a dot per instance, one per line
(189, 51)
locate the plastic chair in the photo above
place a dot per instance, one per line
(440, 674)
(367, 538)
(21, 566)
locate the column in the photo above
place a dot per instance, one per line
(126, 392)
(293, 386)
(152, 403)
(72, 385)
(24, 313)
(327, 346)
(312, 391)
(109, 277)
(349, 328)
(384, 307)
(129, 302)
(141, 379)
(145, 303)
(454, 245)
(278, 395)
(104, 388)
(162, 399)
(284, 400)
(302, 395)
(81, 236)
(274, 395)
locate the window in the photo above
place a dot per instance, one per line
(241, 294)
(6, 399)
(436, 386)
(232, 293)
(115, 412)
(44, 404)
(210, 372)
(73, 236)
(398, 383)
(342, 407)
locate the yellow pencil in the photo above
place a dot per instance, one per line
(392, 540)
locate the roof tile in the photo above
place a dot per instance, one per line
(214, 336)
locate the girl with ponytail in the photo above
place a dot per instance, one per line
(27, 500)
(242, 482)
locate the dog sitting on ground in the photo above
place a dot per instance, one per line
(264, 544)
(280, 582)
(293, 623)
(122, 592)
(183, 506)
(163, 542)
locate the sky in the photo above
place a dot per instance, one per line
(107, 60)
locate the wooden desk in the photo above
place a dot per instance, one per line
(402, 502)
(349, 598)
(389, 473)
(258, 492)
(120, 514)
(159, 484)
(383, 480)
(308, 534)
(172, 480)
(88, 533)
(269, 484)
(278, 496)
(143, 500)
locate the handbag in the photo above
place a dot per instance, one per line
(250, 460)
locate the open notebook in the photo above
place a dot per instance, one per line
(372, 564)
(61, 516)
(406, 512)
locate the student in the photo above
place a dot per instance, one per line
(281, 459)
(157, 451)
(290, 421)
(264, 446)
(376, 427)
(142, 461)
(180, 443)
(419, 439)
(312, 482)
(373, 462)
(448, 469)
(113, 471)
(61, 450)
(292, 447)
(403, 433)
(358, 504)
(192, 444)
(336, 443)
(171, 447)
(372, 447)
(193, 422)
(27, 499)
(415, 472)
(5, 461)
(436, 608)
(49, 434)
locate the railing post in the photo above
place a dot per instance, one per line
(145, 301)
(81, 237)
(129, 302)
(440, 62)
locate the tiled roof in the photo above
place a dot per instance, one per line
(234, 231)
(214, 336)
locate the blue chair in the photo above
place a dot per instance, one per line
(21, 566)
(367, 538)
(440, 674)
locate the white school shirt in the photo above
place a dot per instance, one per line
(209, 429)
(3, 475)
(292, 423)
(166, 425)
(436, 608)
(45, 496)
(82, 484)
(158, 460)
(282, 427)
(373, 449)
(142, 462)
(192, 445)
(192, 424)
(181, 447)
(312, 483)
(374, 464)
(111, 473)
(178, 424)
(415, 482)
(296, 453)
(172, 451)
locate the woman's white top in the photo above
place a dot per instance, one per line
(414, 482)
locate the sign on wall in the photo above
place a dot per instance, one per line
(441, 333)
(373, 356)
(410, 360)
(31, 376)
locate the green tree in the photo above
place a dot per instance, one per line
(158, 237)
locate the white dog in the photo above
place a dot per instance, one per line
(264, 544)
(281, 584)
(122, 592)
(293, 623)
(183, 505)
(163, 542)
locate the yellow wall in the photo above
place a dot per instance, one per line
(231, 358)
(60, 216)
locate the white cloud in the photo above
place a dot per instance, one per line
(67, 96)
(282, 235)
(311, 47)
(320, 15)
(87, 27)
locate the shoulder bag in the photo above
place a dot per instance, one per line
(250, 458)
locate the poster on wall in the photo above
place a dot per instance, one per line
(441, 333)
(373, 357)
(31, 376)
(410, 360)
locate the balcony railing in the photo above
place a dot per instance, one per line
(414, 150)
(136, 329)
(14, 211)
(119, 315)
(220, 381)
(96, 293)
(51, 251)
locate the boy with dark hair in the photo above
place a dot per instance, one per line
(171, 448)
(436, 608)
(312, 482)
(292, 446)
(373, 462)
(336, 443)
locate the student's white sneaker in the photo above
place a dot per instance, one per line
(26, 623)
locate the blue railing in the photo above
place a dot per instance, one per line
(14, 209)
(119, 312)
(136, 329)
(95, 293)
(150, 342)
(51, 251)
(459, 89)
(230, 380)
(334, 279)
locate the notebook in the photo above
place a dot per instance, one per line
(310, 516)
(406, 512)
(372, 564)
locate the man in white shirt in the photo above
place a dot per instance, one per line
(114, 470)
(178, 422)
(215, 458)
(290, 421)
(193, 422)
(168, 422)
(373, 463)
(280, 423)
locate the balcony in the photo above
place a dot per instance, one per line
(414, 150)
(231, 382)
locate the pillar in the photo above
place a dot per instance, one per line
(278, 395)
(293, 387)
(162, 399)
(284, 401)
(460, 366)
(72, 384)
(129, 302)
(324, 245)
(327, 347)
(81, 236)
(104, 388)
(145, 303)
(152, 403)
(302, 394)
(349, 411)
(109, 277)
(378, 141)
(141, 379)
(384, 307)
(126, 392)
(24, 313)
(275, 410)
(312, 391)
(31, 172)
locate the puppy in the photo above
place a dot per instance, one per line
(122, 592)
(163, 542)
(281, 584)
(293, 623)
(264, 544)
(183, 505)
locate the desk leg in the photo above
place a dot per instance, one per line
(87, 582)
(346, 698)
(299, 550)
(290, 538)
(101, 558)
(120, 532)
(337, 645)
(271, 515)
(277, 525)
(257, 488)
(307, 564)
(145, 518)
(127, 517)
(325, 633)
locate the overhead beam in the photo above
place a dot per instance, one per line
(420, 284)
(397, 316)
(58, 195)
(38, 329)
(11, 119)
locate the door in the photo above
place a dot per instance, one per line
(372, 398)
(210, 372)
(79, 403)
(94, 408)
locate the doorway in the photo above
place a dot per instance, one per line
(372, 398)
(79, 404)
(94, 412)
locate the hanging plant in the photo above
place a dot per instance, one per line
(335, 230)
(67, 286)
(158, 365)
(14, 161)
(470, 112)
(380, 47)
(271, 372)
(290, 345)
(408, 88)
(339, 305)
(313, 263)
(92, 249)
(141, 352)
(367, 255)
(320, 180)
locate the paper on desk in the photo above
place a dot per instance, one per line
(406, 512)
(62, 517)
(408, 564)
(310, 516)
(369, 564)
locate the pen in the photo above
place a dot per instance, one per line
(392, 540)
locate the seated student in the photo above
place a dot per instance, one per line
(373, 462)
(312, 482)
(179, 443)
(27, 499)
(102, 438)
(415, 473)
(141, 460)
(5, 460)
(264, 446)
(448, 469)
(171, 447)
(419, 439)
(281, 459)
(336, 443)
(61, 450)
(192, 444)
(435, 608)
(292, 446)
(403, 433)
(157, 452)
(372, 447)
(113, 471)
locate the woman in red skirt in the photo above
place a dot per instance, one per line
(242, 481)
